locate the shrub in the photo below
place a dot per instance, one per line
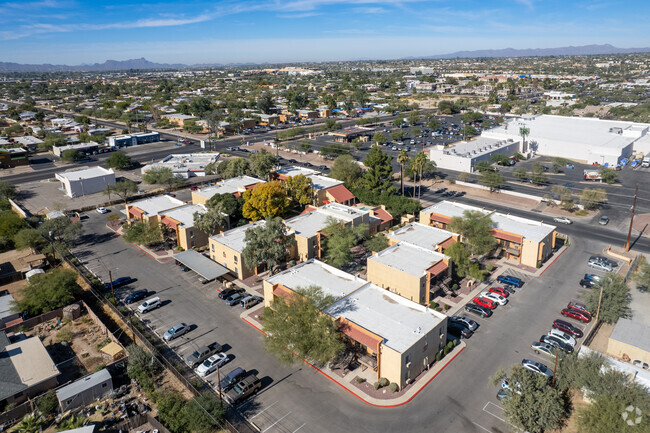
(64, 334)
(456, 342)
(454, 287)
(452, 181)
(447, 307)
(394, 387)
(100, 367)
(433, 304)
(438, 356)
(383, 382)
(438, 308)
(582, 213)
(445, 351)
(48, 404)
(376, 385)
(450, 344)
(490, 268)
(360, 380)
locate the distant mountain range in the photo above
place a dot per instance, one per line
(585, 50)
(144, 64)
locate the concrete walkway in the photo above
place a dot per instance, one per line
(347, 379)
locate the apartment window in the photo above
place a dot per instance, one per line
(236, 270)
(193, 244)
(440, 331)
(212, 246)
(425, 347)
(191, 233)
(224, 254)
(235, 257)
(407, 359)
(104, 385)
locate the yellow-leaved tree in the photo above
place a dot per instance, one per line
(265, 200)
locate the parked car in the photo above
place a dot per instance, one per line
(225, 293)
(149, 304)
(234, 299)
(136, 296)
(579, 306)
(250, 301)
(230, 379)
(122, 281)
(176, 331)
(603, 221)
(604, 260)
(102, 210)
(494, 297)
(587, 283)
(509, 288)
(465, 321)
(509, 279)
(478, 310)
(562, 220)
(600, 266)
(576, 315)
(536, 367)
(545, 348)
(211, 364)
(565, 326)
(499, 291)
(485, 302)
(503, 394)
(244, 388)
(556, 342)
(202, 353)
(593, 277)
(566, 338)
(458, 331)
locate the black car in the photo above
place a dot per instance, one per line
(227, 292)
(458, 330)
(136, 296)
(478, 310)
(587, 283)
(122, 281)
(232, 378)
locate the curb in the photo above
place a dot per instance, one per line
(357, 395)
(553, 261)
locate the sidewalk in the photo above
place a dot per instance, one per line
(364, 389)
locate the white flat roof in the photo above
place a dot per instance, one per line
(308, 224)
(157, 204)
(185, 214)
(400, 322)
(6, 302)
(473, 148)
(234, 239)
(529, 229)
(294, 170)
(409, 258)
(86, 173)
(322, 182)
(421, 235)
(27, 140)
(31, 360)
(332, 281)
(228, 186)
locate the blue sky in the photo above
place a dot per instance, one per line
(88, 31)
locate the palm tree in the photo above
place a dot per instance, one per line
(524, 132)
(30, 424)
(420, 160)
(402, 159)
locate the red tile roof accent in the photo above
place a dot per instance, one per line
(438, 268)
(135, 211)
(169, 222)
(383, 215)
(308, 208)
(341, 194)
(282, 292)
(368, 339)
(440, 218)
(507, 236)
(446, 243)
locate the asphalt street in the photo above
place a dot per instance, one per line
(297, 398)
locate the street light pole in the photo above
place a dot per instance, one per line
(629, 232)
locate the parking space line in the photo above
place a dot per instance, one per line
(481, 427)
(287, 414)
(496, 416)
(267, 408)
(303, 424)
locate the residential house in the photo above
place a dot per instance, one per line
(86, 390)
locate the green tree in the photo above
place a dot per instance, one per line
(379, 176)
(265, 103)
(609, 175)
(211, 221)
(299, 189)
(265, 200)
(523, 131)
(500, 158)
(520, 173)
(346, 169)
(460, 258)
(200, 106)
(469, 131)
(48, 403)
(305, 146)
(267, 244)
(30, 424)
(170, 406)
(262, 163)
(340, 238)
(539, 177)
(564, 194)
(483, 166)
(492, 180)
(234, 168)
(379, 138)
(559, 164)
(141, 366)
(642, 274)
(160, 176)
(377, 242)
(298, 324)
(604, 415)
(476, 229)
(398, 135)
(228, 204)
(72, 422)
(7, 190)
(46, 292)
(331, 125)
(29, 238)
(615, 301)
(124, 189)
(592, 198)
(203, 414)
(398, 122)
(433, 124)
(417, 167)
(71, 155)
(414, 117)
(119, 161)
(143, 233)
(402, 159)
(61, 229)
(10, 225)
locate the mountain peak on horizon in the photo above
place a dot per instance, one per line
(582, 50)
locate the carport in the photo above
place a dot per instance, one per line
(202, 265)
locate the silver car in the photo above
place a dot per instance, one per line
(536, 367)
(176, 331)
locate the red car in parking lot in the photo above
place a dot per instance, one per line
(499, 291)
(576, 315)
(485, 302)
(565, 326)
(579, 306)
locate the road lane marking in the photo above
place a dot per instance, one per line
(303, 424)
(266, 429)
(267, 408)
(481, 427)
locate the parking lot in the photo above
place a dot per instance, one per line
(297, 397)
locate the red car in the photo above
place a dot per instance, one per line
(565, 326)
(576, 314)
(579, 306)
(485, 302)
(499, 291)
(194, 188)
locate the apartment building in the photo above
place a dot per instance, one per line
(150, 209)
(180, 224)
(235, 186)
(226, 249)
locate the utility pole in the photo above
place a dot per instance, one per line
(219, 382)
(629, 232)
(110, 277)
(600, 297)
(557, 355)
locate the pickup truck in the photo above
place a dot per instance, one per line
(247, 386)
(202, 353)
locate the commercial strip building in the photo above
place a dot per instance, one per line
(180, 222)
(184, 165)
(464, 155)
(133, 139)
(395, 337)
(363, 133)
(80, 182)
(13, 157)
(527, 241)
(86, 148)
(178, 119)
(151, 209)
(235, 186)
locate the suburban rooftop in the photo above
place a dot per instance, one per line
(234, 239)
(408, 258)
(421, 235)
(294, 170)
(323, 182)
(400, 322)
(155, 205)
(228, 186)
(309, 223)
(185, 214)
(85, 173)
(529, 229)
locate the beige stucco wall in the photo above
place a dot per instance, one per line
(187, 235)
(404, 284)
(229, 258)
(425, 218)
(304, 248)
(616, 349)
(198, 198)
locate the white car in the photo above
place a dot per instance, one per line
(102, 210)
(563, 336)
(562, 220)
(211, 364)
(494, 297)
